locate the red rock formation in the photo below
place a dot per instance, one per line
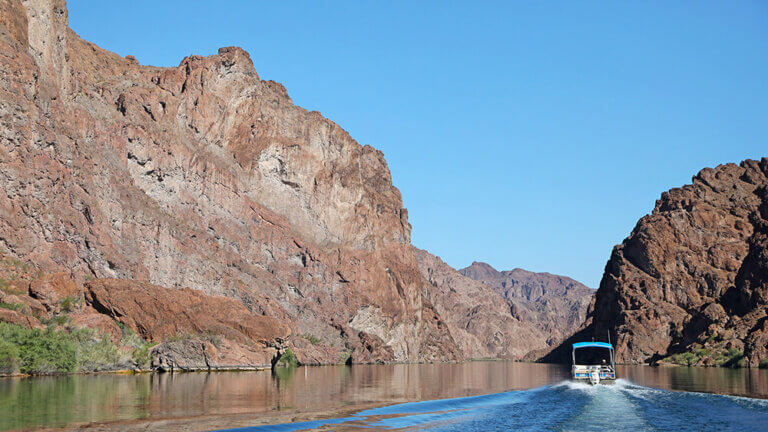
(219, 331)
(692, 275)
(19, 318)
(157, 313)
(481, 321)
(555, 305)
(191, 324)
(50, 290)
(204, 176)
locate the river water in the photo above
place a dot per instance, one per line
(474, 396)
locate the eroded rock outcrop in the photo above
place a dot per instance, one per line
(210, 331)
(481, 320)
(189, 330)
(556, 305)
(692, 277)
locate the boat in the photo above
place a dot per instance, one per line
(602, 370)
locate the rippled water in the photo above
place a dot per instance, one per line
(565, 406)
(540, 399)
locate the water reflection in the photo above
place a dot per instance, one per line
(59, 401)
(740, 382)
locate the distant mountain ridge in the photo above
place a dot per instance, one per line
(480, 319)
(556, 305)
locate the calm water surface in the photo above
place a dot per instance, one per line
(516, 396)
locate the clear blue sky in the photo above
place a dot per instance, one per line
(524, 134)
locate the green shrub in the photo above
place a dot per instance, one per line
(689, 358)
(686, 358)
(719, 358)
(735, 358)
(41, 351)
(141, 350)
(68, 303)
(764, 363)
(94, 352)
(9, 357)
(56, 320)
(48, 352)
(36, 351)
(142, 355)
(287, 359)
(311, 338)
(11, 306)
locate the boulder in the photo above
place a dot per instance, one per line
(51, 290)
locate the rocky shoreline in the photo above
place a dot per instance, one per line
(264, 368)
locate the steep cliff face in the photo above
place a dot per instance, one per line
(204, 176)
(173, 191)
(692, 276)
(482, 321)
(555, 305)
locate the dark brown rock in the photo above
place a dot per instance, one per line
(693, 274)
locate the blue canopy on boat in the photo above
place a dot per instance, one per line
(592, 345)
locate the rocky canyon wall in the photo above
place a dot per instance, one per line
(157, 190)
(692, 277)
(204, 176)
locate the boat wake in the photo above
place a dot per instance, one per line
(566, 406)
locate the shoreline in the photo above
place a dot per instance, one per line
(269, 368)
(143, 371)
